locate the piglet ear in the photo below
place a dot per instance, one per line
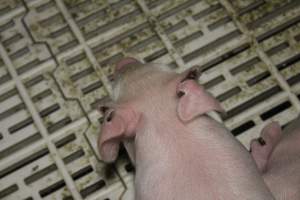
(126, 61)
(118, 125)
(194, 101)
(111, 133)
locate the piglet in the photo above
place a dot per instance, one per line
(178, 150)
(277, 155)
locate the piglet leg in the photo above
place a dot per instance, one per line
(262, 147)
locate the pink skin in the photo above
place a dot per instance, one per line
(179, 151)
(278, 159)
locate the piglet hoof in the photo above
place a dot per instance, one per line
(262, 147)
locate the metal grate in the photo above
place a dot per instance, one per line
(57, 59)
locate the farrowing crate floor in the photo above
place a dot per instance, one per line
(57, 60)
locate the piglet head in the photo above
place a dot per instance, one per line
(152, 92)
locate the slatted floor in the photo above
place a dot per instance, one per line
(56, 64)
